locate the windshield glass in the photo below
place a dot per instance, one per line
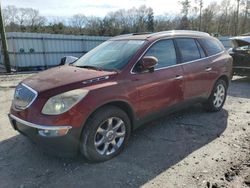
(110, 55)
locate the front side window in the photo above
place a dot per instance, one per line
(188, 49)
(164, 51)
(110, 55)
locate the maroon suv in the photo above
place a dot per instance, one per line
(93, 104)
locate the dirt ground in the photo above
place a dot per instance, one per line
(191, 148)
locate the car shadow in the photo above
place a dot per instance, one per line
(240, 87)
(153, 149)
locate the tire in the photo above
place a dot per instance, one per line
(102, 137)
(211, 105)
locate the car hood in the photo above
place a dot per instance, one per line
(62, 76)
(240, 41)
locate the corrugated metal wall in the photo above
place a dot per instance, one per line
(46, 50)
(42, 50)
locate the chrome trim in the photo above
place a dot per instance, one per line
(178, 77)
(131, 71)
(95, 80)
(208, 69)
(180, 32)
(33, 125)
(33, 91)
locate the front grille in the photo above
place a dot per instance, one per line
(24, 96)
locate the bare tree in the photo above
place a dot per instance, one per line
(237, 18)
(200, 6)
(79, 21)
(34, 18)
(184, 23)
(245, 16)
(209, 14)
(22, 17)
(93, 26)
(9, 14)
(213, 18)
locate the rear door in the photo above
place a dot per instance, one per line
(195, 68)
(162, 88)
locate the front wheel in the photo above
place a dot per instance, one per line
(105, 134)
(217, 98)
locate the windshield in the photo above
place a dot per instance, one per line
(110, 55)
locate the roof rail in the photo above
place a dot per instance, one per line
(124, 35)
(132, 34)
(142, 33)
(179, 32)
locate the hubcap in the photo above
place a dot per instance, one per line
(219, 95)
(110, 136)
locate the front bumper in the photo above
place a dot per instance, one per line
(66, 145)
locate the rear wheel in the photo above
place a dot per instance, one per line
(105, 134)
(217, 98)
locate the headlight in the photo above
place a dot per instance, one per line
(63, 102)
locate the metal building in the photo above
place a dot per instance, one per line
(46, 50)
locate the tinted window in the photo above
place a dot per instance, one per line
(188, 49)
(164, 51)
(202, 53)
(212, 46)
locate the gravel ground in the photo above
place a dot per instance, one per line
(191, 148)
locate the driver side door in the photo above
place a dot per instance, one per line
(162, 88)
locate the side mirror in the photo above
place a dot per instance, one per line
(68, 60)
(148, 63)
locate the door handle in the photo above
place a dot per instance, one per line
(178, 77)
(208, 69)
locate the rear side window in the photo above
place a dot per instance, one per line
(164, 51)
(188, 49)
(212, 46)
(202, 53)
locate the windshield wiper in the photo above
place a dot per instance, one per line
(112, 70)
(90, 67)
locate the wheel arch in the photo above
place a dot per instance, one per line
(221, 77)
(225, 78)
(124, 105)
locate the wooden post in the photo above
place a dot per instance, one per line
(4, 43)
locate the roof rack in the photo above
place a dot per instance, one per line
(166, 33)
(179, 32)
(133, 34)
(124, 35)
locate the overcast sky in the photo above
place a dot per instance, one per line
(67, 8)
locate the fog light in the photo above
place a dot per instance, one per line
(52, 133)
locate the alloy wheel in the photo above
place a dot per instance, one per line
(110, 136)
(219, 95)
